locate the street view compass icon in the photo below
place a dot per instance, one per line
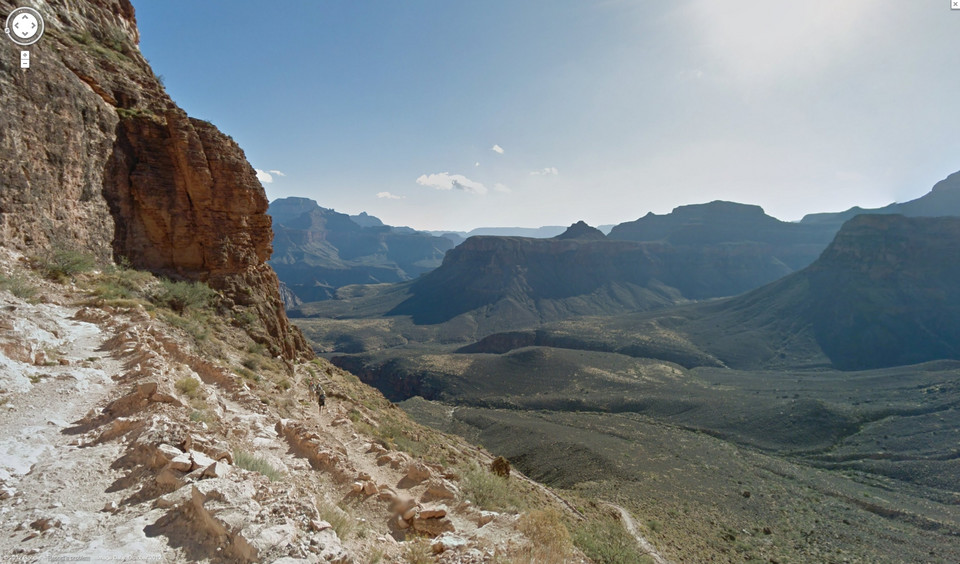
(24, 26)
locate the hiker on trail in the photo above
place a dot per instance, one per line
(321, 396)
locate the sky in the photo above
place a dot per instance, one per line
(455, 115)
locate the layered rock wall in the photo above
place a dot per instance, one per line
(94, 155)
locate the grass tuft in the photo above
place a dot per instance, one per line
(247, 461)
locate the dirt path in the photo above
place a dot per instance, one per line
(631, 526)
(53, 372)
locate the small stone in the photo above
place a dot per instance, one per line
(7, 492)
(432, 513)
(357, 487)
(410, 513)
(216, 470)
(318, 526)
(182, 462)
(363, 477)
(433, 527)
(418, 472)
(402, 523)
(111, 507)
(440, 489)
(44, 524)
(64, 362)
(447, 541)
(746, 494)
(370, 488)
(486, 517)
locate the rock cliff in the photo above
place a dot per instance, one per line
(94, 155)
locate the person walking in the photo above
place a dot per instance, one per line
(321, 396)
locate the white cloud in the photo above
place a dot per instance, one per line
(476, 163)
(497, 149)
(502, 188)
(548, 171)
(447, 181)
(389, 196)
(759, 40)
(263, 176)
(277, 172)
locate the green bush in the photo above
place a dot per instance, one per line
(123, 284)
(189, 387)
(181, 296)
(489, 491)
(60, 264)
(247, 461)
(18, 286)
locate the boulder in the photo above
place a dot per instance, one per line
(439, 489)
(433, 527)
(418, 472)
(447, 541)
(432, 513)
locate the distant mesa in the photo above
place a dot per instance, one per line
(319, 250)
(580, 230)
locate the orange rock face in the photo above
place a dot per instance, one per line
(94, 154)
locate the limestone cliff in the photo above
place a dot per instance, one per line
(95, 155)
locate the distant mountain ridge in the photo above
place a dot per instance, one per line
(884, 293)
(722, 223)
(318, 250)
(580, 272)
(942, 200)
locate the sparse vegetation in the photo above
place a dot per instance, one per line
(604, 540)
(550, 539)
(181, 296)
(189, 387)
(19, 286)
(61, 264)
(341, 520)
(418, 552)
(247, 461)
(488, 490)
(124, 287)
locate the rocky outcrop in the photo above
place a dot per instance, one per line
(580, 230)
(95, 156)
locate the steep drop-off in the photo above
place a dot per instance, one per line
(95, 156)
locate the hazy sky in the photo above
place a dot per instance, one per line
(452, 115)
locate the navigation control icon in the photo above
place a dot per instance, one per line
(24, 26)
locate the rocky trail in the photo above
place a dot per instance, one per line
(631, 526)
(104, 455)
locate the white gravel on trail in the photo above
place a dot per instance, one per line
(51, 483)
